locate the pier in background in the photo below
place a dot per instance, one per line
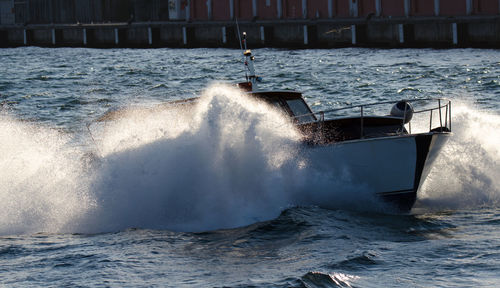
(269, 23)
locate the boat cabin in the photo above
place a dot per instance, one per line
(290, 102)
(320, 131)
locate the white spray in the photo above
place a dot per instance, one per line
(229, 161)
(223, 167)
(467, 172)
(42, 180)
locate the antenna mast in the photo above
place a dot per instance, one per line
(251, 78)
(241, 47)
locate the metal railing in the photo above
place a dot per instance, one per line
(442, 104)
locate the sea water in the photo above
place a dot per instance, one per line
(216, 195)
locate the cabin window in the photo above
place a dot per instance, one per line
(298, 108)
(280, 107)
(277, 104)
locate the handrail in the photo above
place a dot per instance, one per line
(375, 104)
(426, 110)
(446, 106)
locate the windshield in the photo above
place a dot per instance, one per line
(299, 107)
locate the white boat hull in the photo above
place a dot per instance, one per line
(392, 168)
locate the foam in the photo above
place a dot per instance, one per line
(222, 168)
(42, 183)
(227, 161)
(466, 173)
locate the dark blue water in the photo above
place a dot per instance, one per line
(162, 197)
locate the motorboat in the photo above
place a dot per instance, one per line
(380, 152)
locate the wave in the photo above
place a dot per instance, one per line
(225, 162)
(465, 174)
(41, 187)
(222, 166)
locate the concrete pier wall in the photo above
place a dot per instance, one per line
(439, 33)
(271, 23)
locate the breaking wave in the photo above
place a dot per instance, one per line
(224, 165)
(225, 161)
(41, 186)
(466, 173)
(222, 162)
